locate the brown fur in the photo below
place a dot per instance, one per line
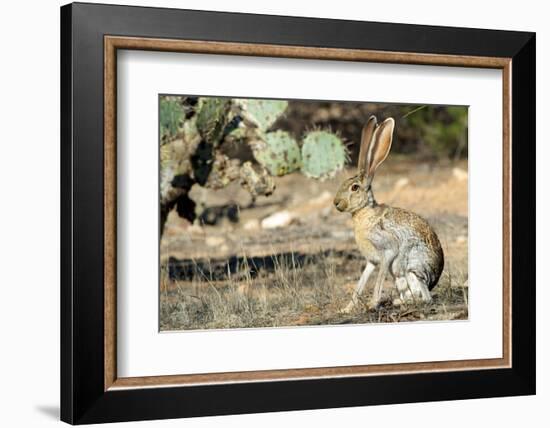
(399, 241)
(399, 222)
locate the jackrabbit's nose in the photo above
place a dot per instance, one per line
(340, 204)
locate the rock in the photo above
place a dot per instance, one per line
(278, 219)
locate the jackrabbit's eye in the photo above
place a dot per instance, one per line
(355, 187)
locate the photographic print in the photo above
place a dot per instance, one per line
(282, 213)
(292, 225)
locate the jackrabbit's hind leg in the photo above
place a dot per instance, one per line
(417, 288)
(402, 289)
(360, 287)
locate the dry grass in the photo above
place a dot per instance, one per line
(290, 295)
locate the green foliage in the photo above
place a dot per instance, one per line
(212, 117)
(171, 117)
(323, 154)
(444, 130)
(279, 153)
(263, 113)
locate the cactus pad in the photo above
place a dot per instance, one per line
(278, 152)
(323, 154)
(171, 117)
(263, 113)
(212, 118)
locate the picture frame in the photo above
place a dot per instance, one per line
(91, 391)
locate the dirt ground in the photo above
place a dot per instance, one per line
(291, 259)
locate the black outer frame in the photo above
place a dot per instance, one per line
(83, 399)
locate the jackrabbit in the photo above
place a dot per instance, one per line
(396, 240)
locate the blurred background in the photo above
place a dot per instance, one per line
(428, 132)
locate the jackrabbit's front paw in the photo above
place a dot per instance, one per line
(348, 309)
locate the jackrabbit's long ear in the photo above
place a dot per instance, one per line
(380, 147)
(366, 139)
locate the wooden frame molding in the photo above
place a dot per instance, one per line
(113, 43)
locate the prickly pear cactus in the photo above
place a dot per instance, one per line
(194, 132)
(262, 113)
(323, 154)
(278, 152)
(212, 117)
(171, 115)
